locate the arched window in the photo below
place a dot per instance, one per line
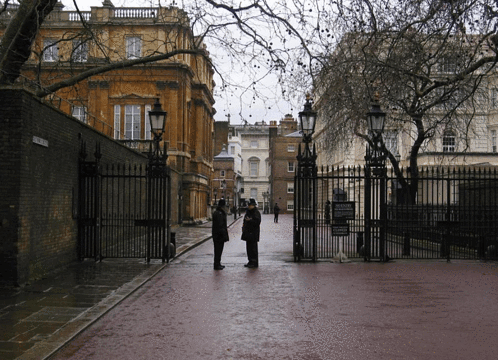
(449, 141)
(254, 167)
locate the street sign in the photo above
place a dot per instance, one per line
(343, 210)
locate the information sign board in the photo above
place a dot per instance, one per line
(343, 210)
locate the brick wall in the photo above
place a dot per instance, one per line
(280, 170)
(39, 149)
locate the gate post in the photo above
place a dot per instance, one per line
(159, 207)
(89, 207)
(375, 160)
(368, 213)
(305, 196)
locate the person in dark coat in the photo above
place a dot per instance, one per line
(220, 233)
(276, 210)
(250, 233)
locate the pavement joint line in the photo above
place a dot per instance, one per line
(52, 344)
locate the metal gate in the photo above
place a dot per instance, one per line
(124, 210)
(365, 213)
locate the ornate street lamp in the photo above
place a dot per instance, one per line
(157, 118)
(376, 119)
(375, 186)
(215, 191)
(307, 120)
(158, 173)
(305, 197)
(375, 156)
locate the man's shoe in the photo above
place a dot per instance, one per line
(219, 267)
(252, 266)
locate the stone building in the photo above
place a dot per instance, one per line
(463, 124)
(117, 102)
(254, 160)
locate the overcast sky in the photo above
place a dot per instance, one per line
(229, 100)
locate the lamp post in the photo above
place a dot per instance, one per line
(266, 208)
(305, 185)
(375, 184)
(224, 188)
(215, 191)
(157, 118)
(159, 183)
(375, 157)
(307, 120)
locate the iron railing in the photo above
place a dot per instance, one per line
(453, 214)
(124, 211)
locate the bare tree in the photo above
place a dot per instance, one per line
(257, 40)
(430, 61)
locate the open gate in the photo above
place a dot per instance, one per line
(364, 213)
(124, 210)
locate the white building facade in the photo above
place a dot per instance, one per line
(254, 158)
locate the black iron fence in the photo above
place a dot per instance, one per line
(446, 212)
(124, 211)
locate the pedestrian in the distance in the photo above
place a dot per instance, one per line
(220, 233)
(276, 210)
(250, 233)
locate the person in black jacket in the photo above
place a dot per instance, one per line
(220, 233)
(250, 233)
(276, 211)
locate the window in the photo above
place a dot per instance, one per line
(291, 148)
(79, 112)
(449, 65)
(80, 51)
(133, 47)
(222, 173)
(254, 143)
(494, 98)
(117, 122)
(50, 50)
(254, 193)
(132, 122)
(290, 187)
(493, 141)
(290, 166)
(449, 141)
(253, 168)
(290, 205)
(232, 150)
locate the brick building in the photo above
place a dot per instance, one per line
(117, 102)
(284, 142)
(227, 164)
(224, 179)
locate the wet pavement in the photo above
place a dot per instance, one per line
(39, 318)
(285, 310)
